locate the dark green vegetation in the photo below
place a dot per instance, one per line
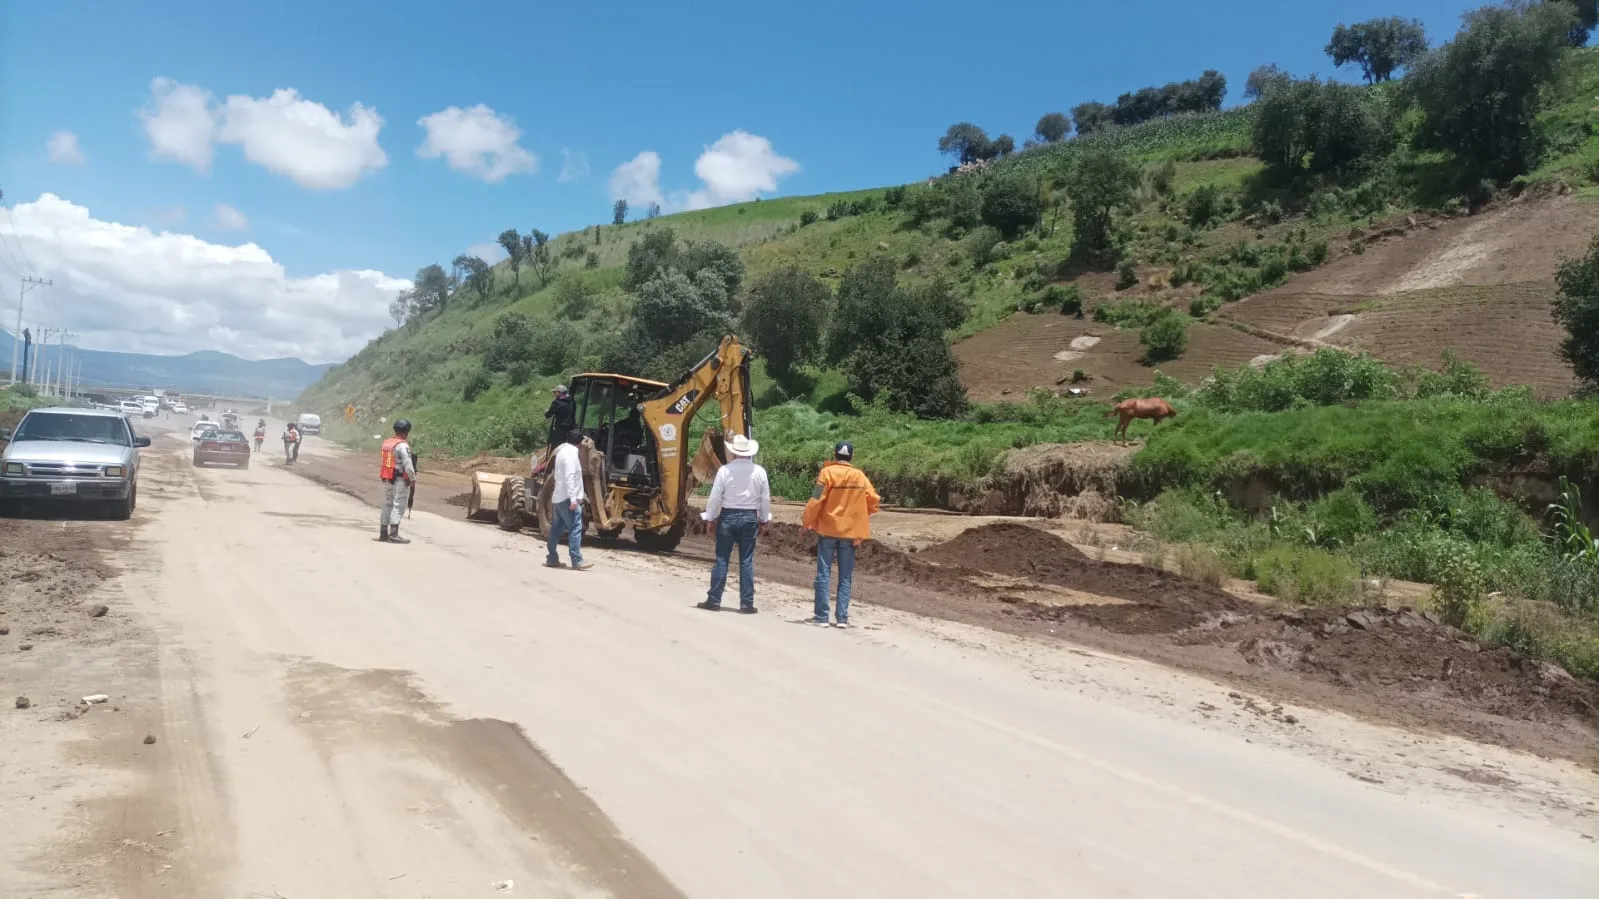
(1306, 475)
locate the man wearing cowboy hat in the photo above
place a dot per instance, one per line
(739, 510)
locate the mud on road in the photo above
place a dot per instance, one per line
(1019, 577)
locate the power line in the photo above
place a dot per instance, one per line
(28, 283)
(17, 237)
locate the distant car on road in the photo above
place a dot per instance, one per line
(309, 423)
(70, 454)
(201, 427)
(180, 408)
(132, 407)
(222, 447)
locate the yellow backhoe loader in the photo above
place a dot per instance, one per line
(637, 463)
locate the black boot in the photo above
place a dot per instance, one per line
(394, 534)
(383, 533)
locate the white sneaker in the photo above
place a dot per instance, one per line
(841, 624)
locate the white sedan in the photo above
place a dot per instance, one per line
(199, 429)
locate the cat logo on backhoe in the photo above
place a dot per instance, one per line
(686, 401)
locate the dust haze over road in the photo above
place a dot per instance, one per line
(337, 717)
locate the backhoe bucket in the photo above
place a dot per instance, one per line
(709, 459)
(485, 501)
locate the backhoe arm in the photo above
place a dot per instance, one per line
(724, 375)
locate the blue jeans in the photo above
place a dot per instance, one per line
(738, 526)
(568, 521)
(827, 549)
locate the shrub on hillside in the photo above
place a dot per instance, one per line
(1205, 205)
(1480, 93)
(889, 340)
(784, 320)
(1128, 313)
(591, 261)
(1126, 274)
(1577, 310)
(477, 383)
(509, 343)
(574, 297)
(1100, 183)
(808, 218)
(1011, 203)
(555, 347)
(1066, 298)
(1165, 338)
(1318, 127)
(983, 246)
(1324, 378)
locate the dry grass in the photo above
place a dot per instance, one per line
(1202, 564)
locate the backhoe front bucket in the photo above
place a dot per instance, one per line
(485, 501)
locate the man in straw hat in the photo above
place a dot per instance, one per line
(739, 510)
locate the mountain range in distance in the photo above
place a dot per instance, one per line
(205, 371)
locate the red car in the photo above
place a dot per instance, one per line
(224, 447)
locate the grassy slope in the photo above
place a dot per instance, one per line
(420, 372)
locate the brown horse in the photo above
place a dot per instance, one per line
(1153, 409)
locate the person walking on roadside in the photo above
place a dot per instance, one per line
(839, 511)
(562, 415)
(398, 471)
(567, 503)
(738, 512)
(291, 444)
(260, 434)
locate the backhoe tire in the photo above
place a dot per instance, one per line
(510, 512)
(661, 541)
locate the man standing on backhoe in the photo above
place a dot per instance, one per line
(398, 471)
(562, 416)
(839, 512)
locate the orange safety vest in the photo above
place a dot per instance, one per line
(386, 465)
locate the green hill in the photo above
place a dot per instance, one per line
(1257, 236)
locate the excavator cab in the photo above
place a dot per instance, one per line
(608, 413)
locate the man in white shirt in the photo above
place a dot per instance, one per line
(739, 510)
(567, 503)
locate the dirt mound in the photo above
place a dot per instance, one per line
(793, 542)
(1414, 653)
(1155, 601)
(1005, 548)
(459, 500)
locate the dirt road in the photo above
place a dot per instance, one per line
(296, 710)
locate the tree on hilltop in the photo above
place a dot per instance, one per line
(618, 216)
(965, 141)
(1052, 127)
(1380, 46)
(511, 241)
(478, 275)
(1265, 78)
(1092, 116)
(1099, 182)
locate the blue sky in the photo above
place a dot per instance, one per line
(855, 93)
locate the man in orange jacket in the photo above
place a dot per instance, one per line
(839, 512)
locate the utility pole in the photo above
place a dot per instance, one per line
(28, 283)
(61, 363)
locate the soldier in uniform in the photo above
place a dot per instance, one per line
(397, 471)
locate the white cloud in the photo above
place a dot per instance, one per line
(489, 251)
(574, 166)
(736, 169)
(181, 123)
(284, 133)
(638, 181)
(229, 219)
(304, 140)
(64, 149)
(476, 141)
(129, 288)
